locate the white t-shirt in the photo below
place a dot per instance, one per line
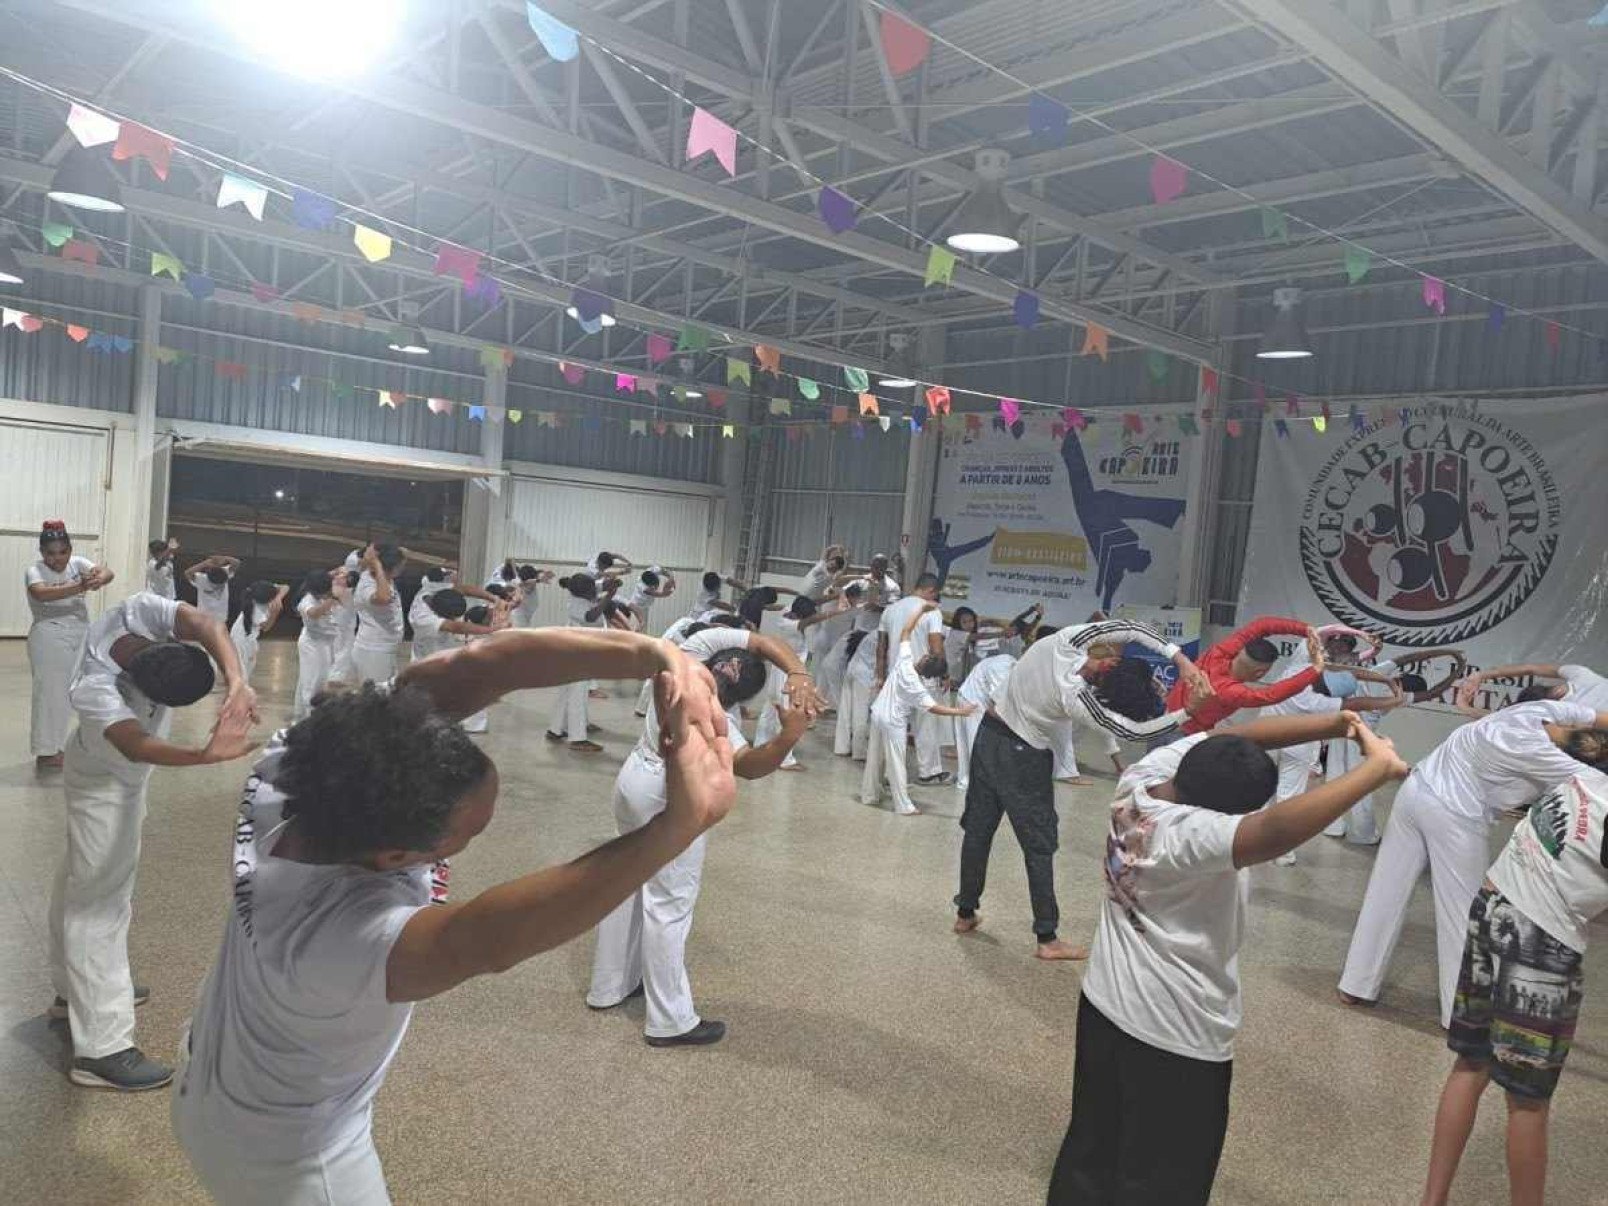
(1586, 687)
(159, 577)
(73, 607)
(903, 694)
(1552, 867)
(787, 631)
(575, 609)
(292, 1034)
(705, 600)
(212, 598)
(890, 593)
(1165, 968)
(815, 582)
(1046, 688)
(862, 663)
(986, 678)
(897, 615)
(379, 625)
(237, 630)
(1302, 703)
(700, 647)
(427, 635)
(325, 628)
(103, 695)
(639, 598)
(1501, 761)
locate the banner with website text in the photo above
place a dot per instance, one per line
(1083, 523)
(1480, 526)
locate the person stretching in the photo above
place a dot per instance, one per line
(1234, 664)
(56, 585)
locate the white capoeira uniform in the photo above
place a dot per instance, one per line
(245, 643)
(159, 578)
(1065, 747)
(774, 697)
(92, 902)
(1358, 825)
(835, 663)
(344, 617)
(644, 940)
(1441, 819)
(978, 688)
(903, 694)
(569, 704)
(930, 729)
(55, 644)
(292, 1033)
(379, 632)
(315, 652)
(212, 598)
(675, 634)
(853, 734)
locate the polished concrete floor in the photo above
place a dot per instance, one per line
(873, 1055)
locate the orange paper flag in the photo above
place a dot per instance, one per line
(769, 358)
(868, 405)
(1096, 339)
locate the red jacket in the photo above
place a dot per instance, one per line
(1232, 695)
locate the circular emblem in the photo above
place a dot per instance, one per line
(1432, 531)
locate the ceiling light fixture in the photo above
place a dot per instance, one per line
(315, 38)
(85, 180)
(590, 303)
(1287, 338)
(903, 374)
(984, 224)
(11, 272)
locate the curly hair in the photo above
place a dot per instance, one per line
(370, 770)
(1129, 687)
(1226, 773)
(739, 675)
(171, 673)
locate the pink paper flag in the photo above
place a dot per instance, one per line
(646, 384)
(461, 262)
(659, 348)
(1554, 336)
(30, 324)
(262, 292)
(573, 373)
(904, 45)
(1075, 418)
(81, 250)
(1010, 409)
(1208, 381)
(938, 399)
(135, 141)
(92, 129)
(1168, 179)
(438, 406)
(1435, 294)
(1233, 427)
(708, 133)
(77, 334)
(624, 383)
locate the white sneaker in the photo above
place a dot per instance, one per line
(1286, 859)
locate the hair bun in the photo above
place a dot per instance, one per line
(53, 527)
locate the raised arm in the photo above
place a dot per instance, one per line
(1263, 626)
(229, 739)
(54, 594)
(192, 624)
(384, 590)
(276, 607)
(1433, 690)
(443, 946)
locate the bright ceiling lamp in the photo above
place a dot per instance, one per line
(901, 377)
(692, 393)
(984, 224)
(407, 336)
(590, 303)
(319, 39)
(1287, 338)
(11, 272)
(85, 180)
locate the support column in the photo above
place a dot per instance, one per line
(921, 469)
(1199, 528)
(733, 467)
(143, 512)
(485, 506)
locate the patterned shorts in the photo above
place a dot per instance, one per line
(1518, 995)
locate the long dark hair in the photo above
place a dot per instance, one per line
(257, 592)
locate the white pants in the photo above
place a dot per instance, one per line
(644, 941)
(886, 756)
(54, 649)
(569, 712)
(1294, 774)
(92, 904)
(1358, 824)
(930, 731)
(245, 648)
(853, 719)
(965, 737)
(315, 661)
(373, 665)
(770, 718)
(341, 670)
(1421, 832)
(480, 722)
(230, 1170)
(833, 670)
(645, 697)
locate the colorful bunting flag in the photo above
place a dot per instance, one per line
(1496, 316)
(1208, 381)
(1010, 409)
(1075, 418)
(1275, 224)
(781, 406)
(717, 399)
(199, 285)
(1434, 291)
(1157, 364)
(477, 414)
(375, 245)
(904, 46)
(81, 250)
(808, 389)
(940, 266)
(56, 233)
(1133, 424)
(837, 209)
(1232, 426)
(76, 333)
(1554, 336)
(291, 381)
(461, 262)
(515, 416)
(247, 193)
(917, 423)
(1259, 396)
(485, 290)
(840, 415)
(706, 132)
(135, 141)
(659, 348)
(573, 373)
(559, 41)
(161, 263)
(868, 405)
(1187, 425)
(1048, 120)
(770, 359)
(311, 211)
(684, 430)
(858, 431)
(884, 421)
(262, 292)
(974, 423)
(1096, 339)
(1358, 261)
(692, 339)
(737, 370)
(938, 400)
(1025, 309)
(1320, 424)
(1292, 405)
(164, 355)
(625, 383)
(647, 384)
(727, 431)
(639, 427)
(857, 378)
(232, 370)
(31, 324)
(1282, 428)
(1168, 179)
(1358, 423)
(90, 128)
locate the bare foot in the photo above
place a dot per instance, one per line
(1060, 950)
(965, 925)
(797, 766)
(1360, 1002)
(49, 762)
(600, 694)
(1079, 781)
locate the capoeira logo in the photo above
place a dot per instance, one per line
(1432, 531)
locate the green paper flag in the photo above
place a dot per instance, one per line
(1275, 223)
(1157, 364)
(940, 266)
(164, 355)
(808, 389)
(692, 339)
(340, 392)
(56, 233)
(169, 264)
(737, 370)
(857, 378)
(1187, 425)
(1357, 263)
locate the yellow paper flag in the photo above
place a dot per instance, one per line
(162, 263)
(374, 245)
(940, 266)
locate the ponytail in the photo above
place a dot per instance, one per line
(508, 573)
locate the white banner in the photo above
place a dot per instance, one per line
(1082, 523)
(1481, 526)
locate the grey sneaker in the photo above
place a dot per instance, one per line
(127, 1070)
(940, 779)
(58, 1008)
(701, 1035)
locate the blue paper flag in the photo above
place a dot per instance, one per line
(1025, 309)
(98, 341)
(122, 343)
(837, 210)
(557, 39)
(1047, 119)
(311, 211)
(1601, 19)
(199, 285)
(592, 423)
(592, 326)
(1283, 428)
(477, 413)
(1495, 317)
